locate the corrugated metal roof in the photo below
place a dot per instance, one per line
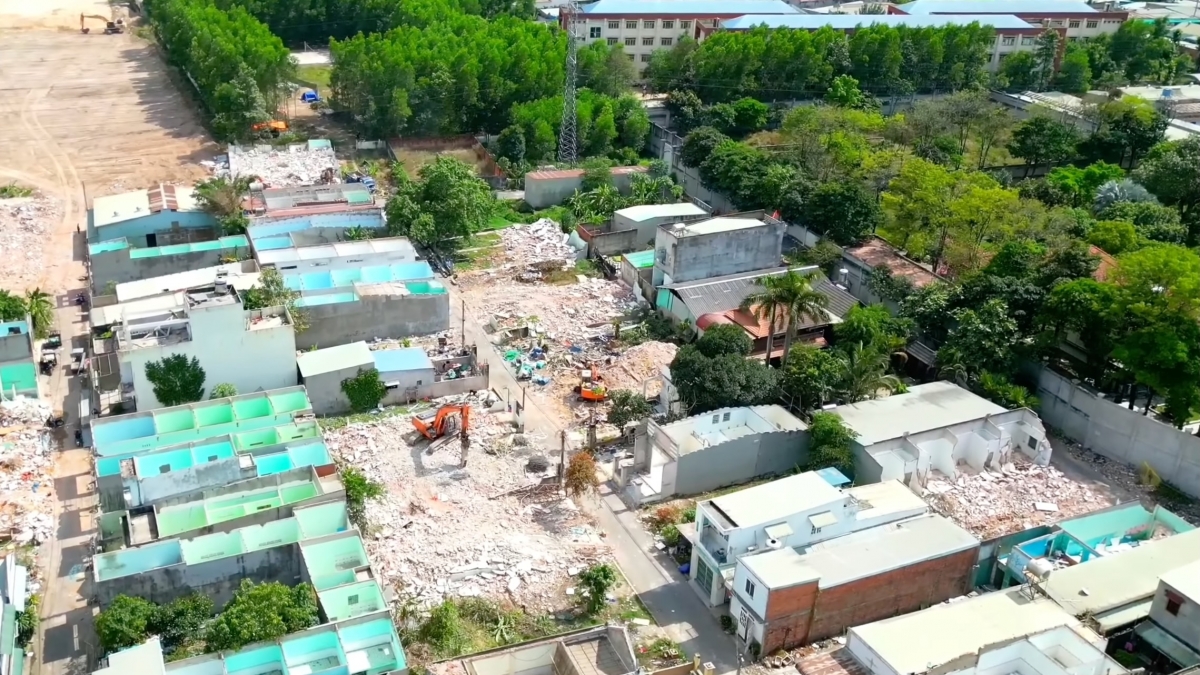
(393, 360)
(689, 7)
(851, 21)
(1038, 7)
(721, 294)
(333, 359)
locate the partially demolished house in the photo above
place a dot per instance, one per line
(603, 650)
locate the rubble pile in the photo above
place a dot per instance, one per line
(569, 314)
(278, 167)
(541, 241)
(496, 528)
(26, 223)
(1019, 496)
(26, 503)
(1126, 477)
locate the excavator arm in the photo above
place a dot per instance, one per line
(434, 425)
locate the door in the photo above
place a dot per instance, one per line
(744, 625)
(151, 240)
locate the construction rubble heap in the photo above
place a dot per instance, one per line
(25, 225)
(535, 244)
(289, 166)
(1020, 496)
(498, 528)
(26, 505)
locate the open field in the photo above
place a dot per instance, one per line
(86, 115)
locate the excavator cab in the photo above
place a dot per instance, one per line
(591, 385)
(444, 421)
(273, 128)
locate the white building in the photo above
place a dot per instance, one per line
(339, 254)
(938, 426)
(641, 27)
(795, 511)
(1076, 19)
(1175, 611)
(253, 350)
(646, 218)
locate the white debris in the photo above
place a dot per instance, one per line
(490, 529)
(26, 224)
(289, 166)
(541, 241)
(26, 504)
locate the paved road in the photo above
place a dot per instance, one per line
(674, 606)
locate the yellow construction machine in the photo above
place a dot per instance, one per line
(110, 27)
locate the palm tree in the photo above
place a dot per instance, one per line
(789, 296)
(41, 311)
(864, 373)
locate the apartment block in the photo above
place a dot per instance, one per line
(1075, 18)
(715, 247)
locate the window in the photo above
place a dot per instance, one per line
(725, 417)
(613, 25)
(1174, 603)
(749, 588)
(645, 58)
(629, 42)
(352, 600)
(716, 419)
(594, 32)
(630, 56)
(612, 41)
(1027, 41)
(1008, 41)
(1056, 24)
(816, 530)
(631, 25)
(685, 24)
(1073, 23)
(666, 42)
(668, 23)
(647, 42)
(1092, 23)
(648, 23)
(1032, 443)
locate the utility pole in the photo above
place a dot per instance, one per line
(562, 459)
(567, 135)
(462, 315)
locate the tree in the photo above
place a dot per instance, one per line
(810, 376)
(12, 307)
(605, 69)
(597, 580)
(1042, 140)
(736, 169)
(181, 621)
(1046, 53)
(1125, 131)
(873, 327)
(510, 144)
(1020, 71)
(1075, 71)
(843, 211)
(176, 379)
(1172, 172)
(262, 612)
(918, 202)
(727, 380)
(999, 390)
(788, 297)
(580, 477)
(628, 406)
(444, 207)
(829, 444)
(885, 284)
(223, 390)
(724, 339)
(124, 623)
(1114, 236)
(862, 373)
(365, 390)
(983, 339)
(929, 309)
(843, 92)
(1080, 185)
(979, 213)
(1085, 307)
(270, 291)
(40, 306)
(699, 145)
(685, 108)
(1152, 220)
(1162, 276)
(1116, 191)
(359, 490)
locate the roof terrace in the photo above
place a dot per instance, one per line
(372, 274)
(145, 431)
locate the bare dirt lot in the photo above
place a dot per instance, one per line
(85, 115)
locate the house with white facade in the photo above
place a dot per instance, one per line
(938, 427)
(1074, 19)
(253, 350)
(796, 511)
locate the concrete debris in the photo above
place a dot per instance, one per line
(539, 242)
(486, 529)
(278, 167)
(26, 224)
(993, 503)
(26, 503)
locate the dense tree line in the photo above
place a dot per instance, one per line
(237, 65)
(462, 73)
(316, 21)
(606, 127)
(785, 64)
(1139, 52)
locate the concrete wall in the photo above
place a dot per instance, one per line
(325, 390)
(438, 390)
(217, 579)
(151, 489)
(692, 257)
(549, 188)
(374, 316)
(1185, 623)
(167, 226)
(647, 229)
(740, 460)
(608, 243)
(1118, 433)
(116, 267)
(251, 360)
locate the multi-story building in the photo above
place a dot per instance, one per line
(1013, 34)
(1077, 19)
(641, 27)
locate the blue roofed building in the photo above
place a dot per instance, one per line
(1075, 19)
(643, 26)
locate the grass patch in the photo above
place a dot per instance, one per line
(13, 191)
(661, 653)
(339, 421)
(497, 222)
(315, 77)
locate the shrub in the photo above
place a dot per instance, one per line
(597, 579)
(365, 390)
(581, 474)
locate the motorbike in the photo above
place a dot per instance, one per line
(79, 438)
(54, 422)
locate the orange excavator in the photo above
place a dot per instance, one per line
(591, 385)
(110, 27)
(443, 423)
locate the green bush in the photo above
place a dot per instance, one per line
(365, 390)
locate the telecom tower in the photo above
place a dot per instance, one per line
(568, 141)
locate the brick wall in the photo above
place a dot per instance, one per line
(893, 593)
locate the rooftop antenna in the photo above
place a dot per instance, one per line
(567, 136)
